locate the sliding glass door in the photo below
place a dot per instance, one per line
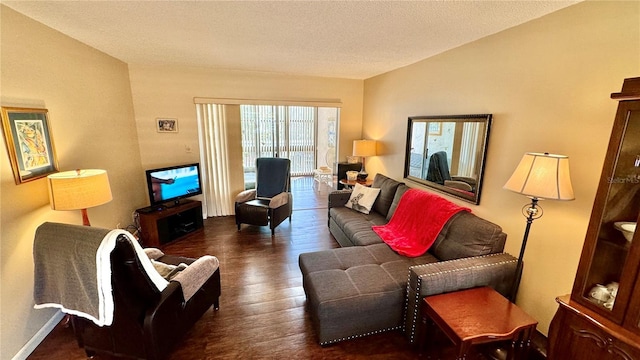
(303, 134)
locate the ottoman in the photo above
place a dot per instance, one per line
(355, 291)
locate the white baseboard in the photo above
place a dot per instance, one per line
(33, 343)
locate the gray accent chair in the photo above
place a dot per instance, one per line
(365, 287)
(271, 202)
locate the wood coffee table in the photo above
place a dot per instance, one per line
(478, 316)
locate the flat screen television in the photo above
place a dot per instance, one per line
(168, 185)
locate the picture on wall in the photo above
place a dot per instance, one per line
(165, 125)
(435, 128)
(29, 143)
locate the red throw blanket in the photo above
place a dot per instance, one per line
(417, 222)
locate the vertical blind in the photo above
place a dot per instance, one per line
(469, 149)
(214, 163)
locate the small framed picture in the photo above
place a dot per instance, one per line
(435, 128)
(165, 125)
(29, 142)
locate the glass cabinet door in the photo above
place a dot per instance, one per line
(610, 275)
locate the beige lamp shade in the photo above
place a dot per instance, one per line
(364, 148)
(78, 189)
(542, 176)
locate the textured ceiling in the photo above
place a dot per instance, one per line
(345, 39)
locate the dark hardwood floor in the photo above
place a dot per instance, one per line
(262, 308)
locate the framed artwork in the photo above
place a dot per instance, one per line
(164, 125)
(29, 143)
(435, 128)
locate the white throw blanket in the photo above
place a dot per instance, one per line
(73, 270)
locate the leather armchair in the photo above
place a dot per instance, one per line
(147, 323)
(271, 202)
(438, 172)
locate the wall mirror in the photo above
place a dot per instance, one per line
(447, 153)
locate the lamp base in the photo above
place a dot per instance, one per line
(362, 176)
(85, 218)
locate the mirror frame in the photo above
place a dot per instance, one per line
(483, 138)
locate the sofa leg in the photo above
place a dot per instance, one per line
(238, 227)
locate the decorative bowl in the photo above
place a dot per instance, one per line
(627, 228)
(352, 175)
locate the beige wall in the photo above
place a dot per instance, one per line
(89, 100)
(547, 83)
(169, 91)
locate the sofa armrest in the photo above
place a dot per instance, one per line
(246, 195)
(279, 200)
(460, 185)
(338, 198)
(196, 274)
(468, 180)
(494, 270)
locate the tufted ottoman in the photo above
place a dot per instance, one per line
(356, 291)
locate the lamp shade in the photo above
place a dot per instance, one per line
(78, 189)
(364, 148)
(542, 176)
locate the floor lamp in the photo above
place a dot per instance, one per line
(538, 176)
(79, 190)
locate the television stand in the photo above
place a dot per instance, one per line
(166, 224)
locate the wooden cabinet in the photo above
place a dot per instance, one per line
(578, 333)
(601, 318)
(160, 226)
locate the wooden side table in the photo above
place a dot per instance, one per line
(478, 316)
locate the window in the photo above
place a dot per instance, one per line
(303, 134)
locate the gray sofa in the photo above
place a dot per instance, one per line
(365, 287)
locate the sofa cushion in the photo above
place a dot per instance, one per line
(357, 226)
(364, 235)
(398, 269)
(383, 253)
(402, 188)
(339, 259)
(343, 216)
(466, 235)
(387, 188)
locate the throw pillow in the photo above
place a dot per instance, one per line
(362, 198)
(168, 271)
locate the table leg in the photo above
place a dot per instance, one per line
(515, 348)
(463, 350)
(526, 343)
(421, 336)
(521, 345)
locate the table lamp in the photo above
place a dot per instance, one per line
(79, 190)
(364, 148)
(538, 176)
